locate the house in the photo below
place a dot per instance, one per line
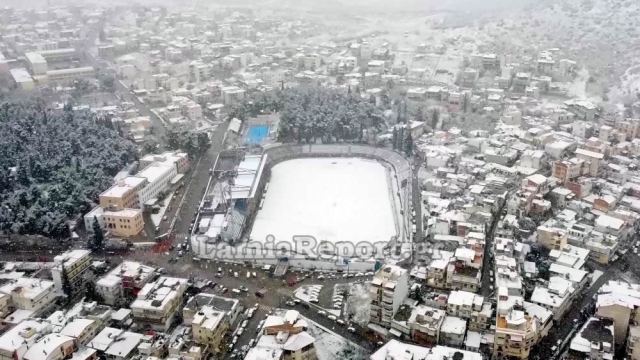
(126, 279)
(51, 347)
(452, 331)
(157, 302)
(396, 350)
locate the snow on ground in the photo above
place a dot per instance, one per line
(358, 303)
(308, 293)
(332, 199)
(331, 346)
(157, 218)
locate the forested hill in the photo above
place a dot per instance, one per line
(53, 165)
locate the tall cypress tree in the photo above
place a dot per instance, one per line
(98, 237)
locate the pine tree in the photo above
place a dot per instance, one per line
(435, 117)
(98, 237)
(408, 144)
(394, 139)
(400, 144)
(66, 286)
(420, 114)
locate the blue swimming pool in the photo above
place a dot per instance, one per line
(256, 134)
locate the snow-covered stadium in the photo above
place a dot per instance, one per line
(322, 206)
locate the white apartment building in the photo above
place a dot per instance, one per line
(158, 177)
(157, 302)
(82, 330)
(75, 264)
(388, 289)
(30, 294)
(556, 297)
(178, 159)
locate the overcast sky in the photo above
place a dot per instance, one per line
(350, 6)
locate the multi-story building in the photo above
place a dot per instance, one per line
(125, 280)
(453, 331)
(388, 288)
(231, 307)
(158, 177)
(30, 294)
(551, 238)
(74, 266)
(284, 338)
(464, 270)
(116, 344)
(179, 159)
(5, 305)
(17, 341)
(556, 296)
(619, 301)
(157, 302)
(516, 331)
(567, 170)
(36, 63)
(124, 223)
(119, 197)
(424, 324)
(209, 327)
(82, 330)
(66, 75)
(437, 269)
(593, 341)
(633, 343)
(470, 306)
(51, 347)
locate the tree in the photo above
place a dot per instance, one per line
(420, 114)
(97, 243)
(408, 144)
(66, 285)
(203, 142)
(435, 117)
(394, 138)
(63, 159)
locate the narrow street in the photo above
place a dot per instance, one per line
(487, 281)
(554, 343)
